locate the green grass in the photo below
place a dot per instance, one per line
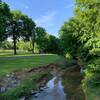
(91, 92)
(13, 63)
(11, 52)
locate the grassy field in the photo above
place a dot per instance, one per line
(11, 52)
(13, 63)
(10, 63)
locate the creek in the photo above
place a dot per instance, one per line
(63, 86)
(54, 90)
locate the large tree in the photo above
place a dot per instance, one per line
(88, 14)
(81, 34)
(69, 42)
(4, 17)
(15, 27)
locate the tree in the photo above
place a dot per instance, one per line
(88, 14)
(81, 36)
(41, 37)
(15, 27)
(29, 33)
(4, 17)
(7, 45)
(68, 41)
(53, 45)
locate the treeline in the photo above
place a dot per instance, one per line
(80, 38)
(24, 32)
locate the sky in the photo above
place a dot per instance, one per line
(50, 14)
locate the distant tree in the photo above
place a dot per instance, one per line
(41, 38)
(53, 45)
(7, 45)
(29, 33)
(24, 45)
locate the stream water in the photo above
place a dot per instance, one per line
(54, 91)
(72, 89)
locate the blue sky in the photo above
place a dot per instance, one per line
(49, 14)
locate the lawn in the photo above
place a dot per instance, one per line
(13, 63)
(11, 52)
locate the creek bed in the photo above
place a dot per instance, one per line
(54, 91)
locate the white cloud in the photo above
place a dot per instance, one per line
(46, 20)
(69, 6)
(26, 7)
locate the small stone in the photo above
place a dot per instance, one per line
(8, 75)
(14, 81)
(12, 75)
(45, 87)
(9, 79)
(36, 95)
(2, 89)
(14, 85)
(34, 92)
(41, 88)
(23, 98)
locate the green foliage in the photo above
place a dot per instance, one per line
(6, 45)
(21, 45)
(29, 33)
(18, 27)
(80, 37)
(4, 17)
(41, 38)
(53, 45)
(68, 40)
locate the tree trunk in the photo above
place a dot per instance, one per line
(33, 46)
(14, 41)
(33, 41)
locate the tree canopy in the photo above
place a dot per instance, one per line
(80, 36)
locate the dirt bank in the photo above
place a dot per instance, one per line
(12, 80)
(72, 83)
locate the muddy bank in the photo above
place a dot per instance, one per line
(11, 80)
(72, 83)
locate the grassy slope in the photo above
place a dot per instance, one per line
(12, 63)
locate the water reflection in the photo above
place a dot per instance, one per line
(53, 92)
